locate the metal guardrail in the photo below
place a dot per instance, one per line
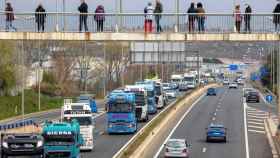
(133, 22)
(17, 124)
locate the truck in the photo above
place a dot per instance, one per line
(141, 100)
(62, 139)
(21, 144)
(161, 99)
(121, 117)
(90, 99)
(176, 79)
(82, 113)
(190, 80)
(150, 88)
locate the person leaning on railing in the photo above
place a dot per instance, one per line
(247, 18)
(40, 18)
(99, 17)
(149, 11)
(191, 17)
(158, 11)
(10, 17)
(83, 9)
(200, 17)
(276, 17)
(238, 18)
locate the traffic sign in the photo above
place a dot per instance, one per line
(269, 98)
(233, 67)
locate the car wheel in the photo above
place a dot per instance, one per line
(4, 155)
(147, 118)
(207, 139)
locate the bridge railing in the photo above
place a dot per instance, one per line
(133, 22)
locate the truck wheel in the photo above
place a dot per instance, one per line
(4, 155)
(147, 118)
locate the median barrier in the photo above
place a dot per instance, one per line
(17, 124)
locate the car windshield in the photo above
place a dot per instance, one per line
(165, 85)
(217, 129)
(175, 144)
(211, 89)
(189, 79)
(253, 93)
(83, 121)
(120, 107)
(176, 80)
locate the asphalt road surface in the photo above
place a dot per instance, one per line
(226, 108)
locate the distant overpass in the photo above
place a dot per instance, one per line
(65, 36)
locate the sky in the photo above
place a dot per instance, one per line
(137, 6)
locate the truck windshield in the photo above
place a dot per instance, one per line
(150, 94)
(59, 140)
(189, 79)
(140, 99)
(83, 121)
(120, 107)
(176, 80)
(158, 90)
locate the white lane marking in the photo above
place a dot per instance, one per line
(256, 131)
(99, 114)
(215, 114)
(255, 120)
(255, 123)
(256, 127)
(177, 125)
(204, 150)
(263, 97)
(245, 130)
(214, 118)
(257, 117)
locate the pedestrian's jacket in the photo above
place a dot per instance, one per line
(248, 12)
(200, 13)
(149, 10)
(40, 14)
(83, 8)
(10, 14)
(192, 11)
(158, 9)
(98, 13)
(276, 18)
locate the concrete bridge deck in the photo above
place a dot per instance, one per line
(65, 36)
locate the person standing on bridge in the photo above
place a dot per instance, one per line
(83, 9)
(99, 17)
(40, 18)
(276, 17)
(158, 11)
(191, 17)
(238, 18)
(10, 17)
(149, 11)
(200, 17)
(247, 18)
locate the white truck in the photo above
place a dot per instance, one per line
(160, 95)
(190, 80)
(177, 79)
(141, 100)
(82, 113)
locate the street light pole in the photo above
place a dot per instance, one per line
(64, 19)
(278, 81)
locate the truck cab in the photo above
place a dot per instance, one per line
(121, 117)
(190, 80)
(90, 99)
(150, 88)
(62, 140)
(176, 79)
(141, 101)
(160, 96)
(82, 113)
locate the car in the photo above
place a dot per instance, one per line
(240, 82)
(166, 86)
(233, 85)
(171, 94)
(17, 144)
(177, 148)
(225, 82)
(253, 96)
(246, 91)
(216, 132)
(211, 92)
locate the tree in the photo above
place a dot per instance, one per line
(7, 68)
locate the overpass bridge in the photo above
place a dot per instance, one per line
(130, 27)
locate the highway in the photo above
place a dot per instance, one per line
(226, 108)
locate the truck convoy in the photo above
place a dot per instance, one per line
(121, 117)
(82, 113)
(62, 140)
(141, 101)
(89, 99)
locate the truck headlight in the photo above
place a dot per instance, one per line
(110, 125)
(39, 143)
(5, 145)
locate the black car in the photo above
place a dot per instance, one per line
(21, 144)
(252, 97)
(211, 92)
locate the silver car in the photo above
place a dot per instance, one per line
(177, 148)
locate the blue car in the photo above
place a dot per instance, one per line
(211, 92)
(216, 132)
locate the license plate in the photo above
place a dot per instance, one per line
(28, 145)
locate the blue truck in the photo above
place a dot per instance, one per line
(88, 98)
(121, 117)
(62, 140)
(150, 88)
